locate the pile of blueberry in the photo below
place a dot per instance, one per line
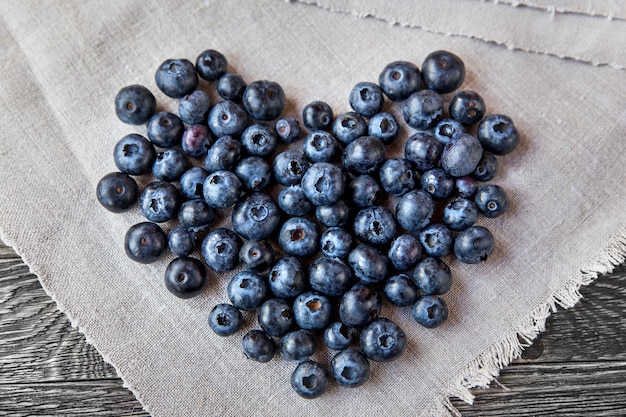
(331, 195)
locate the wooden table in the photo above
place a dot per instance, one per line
(577, 367)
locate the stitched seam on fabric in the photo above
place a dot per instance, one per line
(554, 9)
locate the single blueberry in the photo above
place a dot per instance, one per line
(176, 77)
(289, 167)
(364, 191)
(259, 139)
(375, 225)
(383, 340)
(288, 278)
(400, 79)
(309, 379)
(320, 146)
(337, 214)
(360, 305)
(145, 242)
(368, 264)
(491, 200)
(181, 240)
(423, 109)
(383, 126)
(256, 255)
(487, 167)
(196, 215)
(436, 239)
(135, 104)
(292, 200)
(196, 141)
(211, 65)
(256, 217)
(298, 237)
(423, 150)
(225, 319)
(312, 310)
(447, 130)
(275, 317)
(224, 154)
(466, 186)
(467, 106)
(330, 276)
(338, 336)
(460, 214)
(134, 155)
(264, 100)
(415, 210)
(194, 107)
(400, 290)
(317, 115)
(220, 249)
(258, 346)
(349, 126)
(185, 277)
(397, 176)
(254, 173)
(430, 311)
(227, 118)
(443, 71)
(497, 134)
(350, 368)
(247, 290)
(432, 276)
(288, 129)
(323, 183)
(336, 242)
(298, 346)
(117, 192)
(366, 99)
(364, 155)
(405, 252)
(474, 245)
(222, 189)
(165, 129)
(169, 165)
(159, 201)
(192, 182)
(461, 155)
(438, 183)
(231, 86)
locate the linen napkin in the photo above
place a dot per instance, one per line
(65, 61)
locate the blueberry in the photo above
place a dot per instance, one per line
(256, 255)
(196, 141)
(349, 126)
(259, 139)
(159, 201)
(181, 241)
(491, 200)
(192, 182)
(227, 118)
(436, 239)
(145, 242)
(461, 155)
(224, 154)
(400, 290)
(196, 215)
(298, 346)
(256, 217)
(135, 104)
(423, 109)
(430, 311)
(258, 346)
(487, 167)
(211, 65)
(443, 71)
(474, 245)
(437, 183)
(364, 191)
(185, 277)
(275, 317)
(176, 77)
(169, 165)
(288, 278)
(312, 310)
(423, 150)
(117, 192)
(323, 183)
(364, 155)
(298, 237)
(194, 107)
(220, 249)
(292, 200)
(360, 305)
(368, 264)
(330, 276)
(405, 252)
(498, 134)
(165, 129)
(288, 129)
(337, 214)
(289, 167)
(320, 146)
(466, 186)
(350, 368)
(309, 379)
(432, 276)
(414, 210)
(366, 99)
(264, 100)
(247, 290)
(397, 176)
(134, 155)
(317, 115)
(225, 319)
(383, 126)
(338, 336)
(231, 86)
(400, 79)
(460, 214)
(468, 107)
(254, 173)
(336, 242)
(447, 130)
(383, 340)
(375, 225)
(222, 189)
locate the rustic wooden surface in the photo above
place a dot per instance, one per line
(576, 368)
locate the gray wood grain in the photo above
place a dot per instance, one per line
(576, 368)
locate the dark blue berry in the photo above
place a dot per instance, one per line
(436, 239)
(288, 129)
(292, 200)
(400, 79)
(225, 319)
(405, 252)
(432, 276)
(298, 346)
(256, 217)
(259, 139)
(323, 183)
(312, 310)
(289, 167)
(383, 340)
(165, 129)
(349, 126)
(275, 317)
(134, 155)
(466, 186)
(366, 99)
(375, 225)
(227, 118)
(196, 141)
(368, 264)
(468, 107)
(264, 100)
(192, 182)
(159, 201)
(247, 290)
(397, 176)
(414, 210)
(254, 173)
(383, 126)
(185, 277)
(330, 276)
(423, 109)
(309, 380)
(145, 242)
(117, 192)
(497, 134)
(474, 245)
(492, 200)
(176, 77)
(443, 71)
(338, 336)
(135, 104)
(336, 242)
(423, 150)
(181, 241)
(430, 311)
(364, 155)
(169, 165)
(194, 107)
(337, 214)
(220, 249)
(461, 155)
(320, 146)
(350, 368)
(196, 215)
(298, 237)
(487, 167)
(222, 189)
(364, 191)
(256, 255)
(211, 65)
(317, 115)
(224, 154)
(258, 346)
(460, 214)
(231, 86)
(437, 183)
(447, 130)
(288, 278)
(400, 290)
(360, 305)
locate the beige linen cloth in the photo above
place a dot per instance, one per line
(557, 68)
